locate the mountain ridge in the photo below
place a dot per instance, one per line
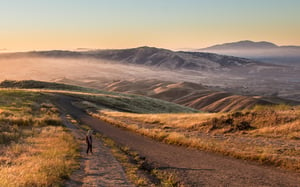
(261, 51)
(248, 44)
(149, 56)
(244, 44)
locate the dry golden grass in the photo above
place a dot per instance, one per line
(35, 150)
(44, 159)
(269, 135)
(288, 130)
(172, 120)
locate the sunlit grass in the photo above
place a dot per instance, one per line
(44, 159)
(181, 120)
(267, 134)
(130, 103)
(35, 150)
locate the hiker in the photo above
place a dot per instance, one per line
(89, 141)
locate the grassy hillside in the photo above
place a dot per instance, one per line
(104, 99)
(193, 95)
(267, 134)
(35, 150)
(32, 84)
(132, 103)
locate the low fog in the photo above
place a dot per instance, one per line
(84, 70)
(281, 55)
(268, 81)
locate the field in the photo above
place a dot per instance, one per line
(35, 150)
(267, 134)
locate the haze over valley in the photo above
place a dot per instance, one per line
(97, 68)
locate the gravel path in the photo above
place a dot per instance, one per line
(99, 169)
(195, 168)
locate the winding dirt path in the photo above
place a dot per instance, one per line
(195, 168)
(98, 169)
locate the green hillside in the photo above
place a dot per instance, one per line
(32, 84)
(104, 99)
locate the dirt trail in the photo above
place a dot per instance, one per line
(99, 169)
(195, 168)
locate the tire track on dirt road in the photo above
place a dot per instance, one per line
(98, 169)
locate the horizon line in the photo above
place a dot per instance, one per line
(6, 50)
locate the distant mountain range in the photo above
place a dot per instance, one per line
(248, 45)
(262, 51)
(243, 45)
(150, 56)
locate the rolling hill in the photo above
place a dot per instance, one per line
(103, 99)
(192, 95)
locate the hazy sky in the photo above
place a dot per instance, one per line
(71, 24)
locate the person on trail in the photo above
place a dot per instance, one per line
(89, 142)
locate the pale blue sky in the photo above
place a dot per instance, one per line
(69, 24)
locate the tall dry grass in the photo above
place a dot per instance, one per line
(266, 134)
(44, 159)
(35, 150)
